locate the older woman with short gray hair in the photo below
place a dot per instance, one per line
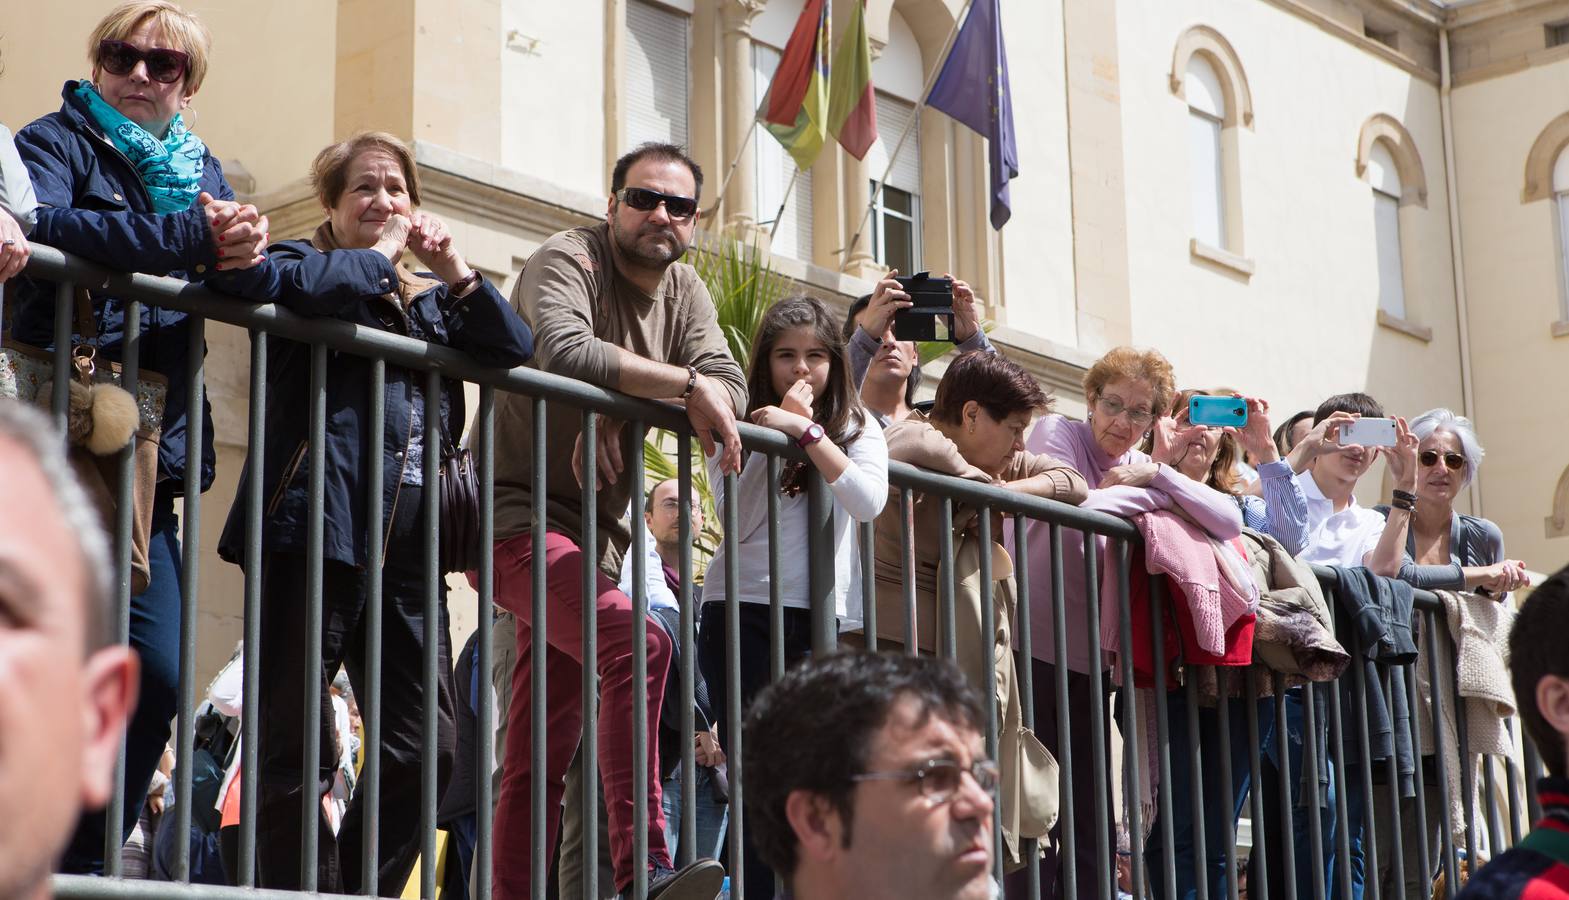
(1446, 550)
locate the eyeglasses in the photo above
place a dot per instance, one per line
(939, 779)
(645, 200)
(1429, 459)
(1111, 408)
(163, 65)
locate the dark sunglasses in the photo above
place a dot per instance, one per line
(1429, 459)
(163, 66)
(644, 200)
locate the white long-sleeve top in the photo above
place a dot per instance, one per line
(859, 494)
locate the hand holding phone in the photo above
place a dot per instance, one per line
(1217, 411)
(1368, 432)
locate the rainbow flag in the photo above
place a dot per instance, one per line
(796, 108)
(852, 111)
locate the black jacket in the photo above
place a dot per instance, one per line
(1375, 623)
(350, 285)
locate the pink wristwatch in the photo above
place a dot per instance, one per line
(812, 434)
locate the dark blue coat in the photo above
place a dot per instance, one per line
(349, 285)
(92, 203)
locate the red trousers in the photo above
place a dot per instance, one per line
(564, 710)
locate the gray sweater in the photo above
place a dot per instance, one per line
(16, 188)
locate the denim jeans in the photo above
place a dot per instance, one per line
(1221, 801)
(713, 814)
(155, 636)
(1288, 764)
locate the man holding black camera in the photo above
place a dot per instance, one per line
(887, 369)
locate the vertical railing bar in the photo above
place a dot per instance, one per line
(776, 660)
(429, 795)
(1105, 861)
(1446, 836)
(485, 749)
(310, 758)
(1512, 785)
(1337, 747)
(539, 672)
(130, 374)
(1258, 854)
(866, 537)
(1424, 852)
(732, 549)
(589, 749)
(987, 638)
(1495, 836)
(1228, 820)
(820, 563)
(1164, 817)
(912, 636)
(1190, 690)
(1397, 848)
(948, 646)
(375, 527)
(1068, 842)
(1288, 843)
(687, 845)
(250, 664)
(1316, 860)
(641, 789)
(1467, 765)
(190, 587)
(1026, 664)
(64, 316)
(1359, 688)
(1133, 738)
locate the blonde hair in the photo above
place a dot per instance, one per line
(330, 170)
(1134, 365)
(182, 28)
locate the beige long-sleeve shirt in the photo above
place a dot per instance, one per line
(916, 441)
(580, 308)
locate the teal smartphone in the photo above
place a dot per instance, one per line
(1218, 411)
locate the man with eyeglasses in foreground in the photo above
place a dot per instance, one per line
(610, 305)
(868, 778)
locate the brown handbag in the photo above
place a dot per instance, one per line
(27, 374)
(459, 497)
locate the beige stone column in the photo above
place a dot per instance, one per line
(740, 199)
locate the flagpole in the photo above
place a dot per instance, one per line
(780, 214)
(745, 143)
(915, 119)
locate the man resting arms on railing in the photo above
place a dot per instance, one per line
(609, 305)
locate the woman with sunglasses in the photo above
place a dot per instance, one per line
(1450, 551)
(122, 181)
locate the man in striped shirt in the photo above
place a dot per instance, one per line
(1538, 867)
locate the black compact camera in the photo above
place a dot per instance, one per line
(933, 307)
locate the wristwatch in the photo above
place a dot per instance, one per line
(812, 434)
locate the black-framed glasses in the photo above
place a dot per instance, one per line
(1429, 458)
(939, 779)
(1111, 408)
(645, 200)
(164, 66)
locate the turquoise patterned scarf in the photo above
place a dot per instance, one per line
(171, 169)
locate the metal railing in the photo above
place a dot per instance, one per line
(1082, 779)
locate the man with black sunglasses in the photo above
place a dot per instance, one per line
(610, 305)
(867, 778)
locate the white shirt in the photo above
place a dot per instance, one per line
(859, 493)
(657, 590)
(1342, 538)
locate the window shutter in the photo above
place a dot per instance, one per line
(1391, 279)
(655, 82)
(1209, 206)
(893, 117)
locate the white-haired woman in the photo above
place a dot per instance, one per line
(1445, 550)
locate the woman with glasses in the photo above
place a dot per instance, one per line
(123, 181)
(1125, 391)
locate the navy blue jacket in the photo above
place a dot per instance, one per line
(349, 285)
(92, 203)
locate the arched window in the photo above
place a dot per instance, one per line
(1207, 74)
(1206, 120)
(1561, 200)
(1385, 180)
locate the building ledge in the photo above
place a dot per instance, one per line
(1223, 258)
(1410, 329)
(1561, 328)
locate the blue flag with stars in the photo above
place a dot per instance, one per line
(973, 89)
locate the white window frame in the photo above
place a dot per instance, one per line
(1214, 129)
(892, 114)
(880, 233)
(681, 133)
(1561, 229)
(1386, 216)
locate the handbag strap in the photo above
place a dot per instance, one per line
(86, 322)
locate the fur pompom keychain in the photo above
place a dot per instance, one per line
(101, 417)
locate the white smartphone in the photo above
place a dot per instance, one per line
(1369, 432)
